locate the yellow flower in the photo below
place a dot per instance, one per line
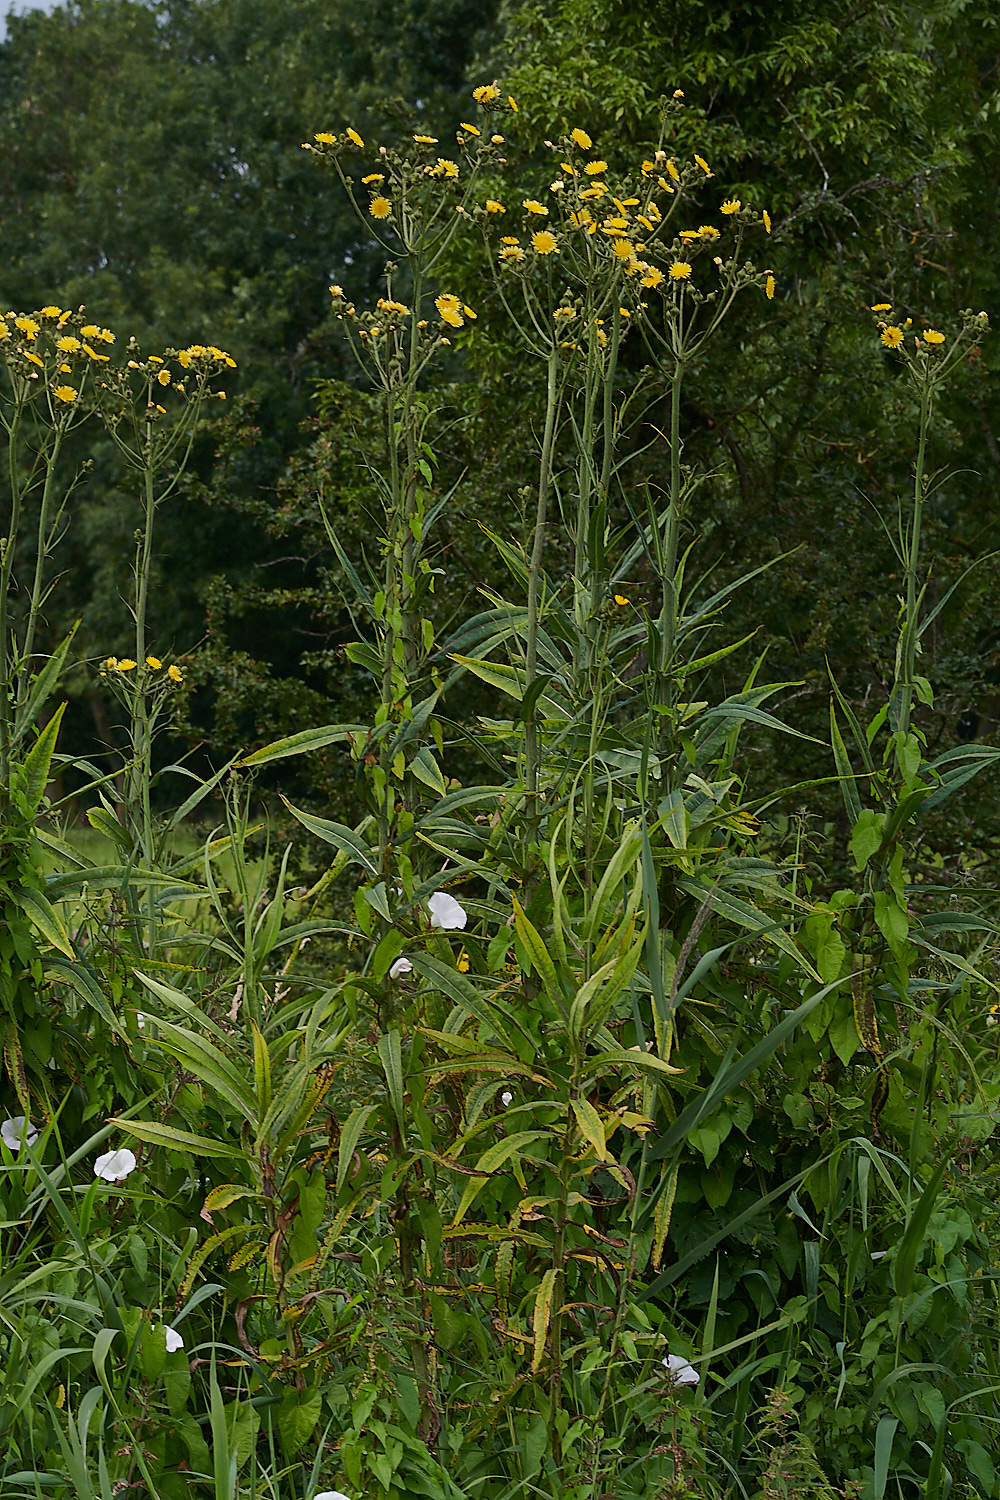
(111, 663)
(163, 376)
(652, 277)
(513, 103)
(493, 206)
(892, 337)
(597, 190)
(67, 345)
(497, 140)
(154, 662)
(65, 393)
(90, 330)
(446, 168)
(582, 218)
(534, 207)
(679, 270)
(690, 234)
(470, 128)
(510, 239)
(703, 164)
(352, 135)
(28, 327)
(543, 242)
(581, 139)
(624, 249)
(707, 232)
(183, 358)
(731, 205)
(672, 169)
(379, 207)
(4, 331)
(767, 220)
(30, 354)
(373, 177)
(595, 168)
(568, 167)
(65, 369)
(324, 137)
(931, 336)
(52, 312)
(616, 223)
(426, 140)
(174, 673)
(882, 307)
(463, 962)
(468, 312)
(621, 600)
(769, 287)
(449, 306)
(486, 93)
(648, 168)
(511, 253)
(105, 335)
(126, 664)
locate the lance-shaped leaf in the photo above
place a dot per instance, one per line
(35, 770)
(340, 836)
(204, 1059)
(300, 744)
(180, 1140)
(48, 922)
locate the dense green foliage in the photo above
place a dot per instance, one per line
(597, 1123)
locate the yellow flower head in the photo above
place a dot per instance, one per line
(882, 307)
(652, 276)
(767, 220)
(373, 177)
(679, 270)
(931, 336)
(65, 369)
(621, 600)
(486, 93)
(163, 376)
(707, 232)
(731, 206)
(648, 168)
(582, 218)
(703, 164)
(510, 239)
(154, 662)
(511, 253)
(352, 135)
(67, 345)
(126, 664)
(450, 308)
(65, 393)
(624, 249)
(595, 168)
(324, 137)
(379, 207)
(892, 337)
(426, 140)
(534, 207)
(497, 140)
(769, 287)
(90, 330)
(4, 330)
(581, 138)
(470, 128)
(33, 357)
(52, 312)
(111, 663)
(690, 234)
(468, 312)
(543, 242)
(174, 673)
(105, 335)
(28, 327)
(446, 168)
(494, 206)
(672, 169)
(513, 103)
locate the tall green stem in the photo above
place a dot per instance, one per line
(668, 608)
(6, 564)
(41, 554)
(910, 637)
(532, 747)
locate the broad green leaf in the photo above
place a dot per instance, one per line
(340, 836)
(542, 1316)
(349, 1137)
(38, 760)
(37, 908)
(390, 1052)
(205, 1060)
(181, 1140)
(506, 679)
(300, 744)
(591, 1126)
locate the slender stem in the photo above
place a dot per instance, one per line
(531, 741)
(6, 564)
(668, 610)
(41, 554)
(908, 654)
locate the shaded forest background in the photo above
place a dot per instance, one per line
(151, 168)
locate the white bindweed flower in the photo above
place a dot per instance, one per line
(446, 912)
(173, 1338)
(506, 1098)
(681, 1372)
(13, 1132)
(400, 967)
(140, 1020)
(113, 1166)
(330, 1495)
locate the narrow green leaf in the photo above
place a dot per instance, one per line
(506, 679)
(39, 758)
(390, 1052)
(349, 1137)
(841, 759)
(591, 1126)
(904, 1268)
(181, 1140)
(300, 744)
(36, 907)
(339, 835)
(884, 1434)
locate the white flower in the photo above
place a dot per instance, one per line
(330, 1495)
(173, 1338)
(681, 1372)
(113, 1166)
(446, 912)
(140, 1020)
(506, 1098)
(13, 1133)
(400, 967)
